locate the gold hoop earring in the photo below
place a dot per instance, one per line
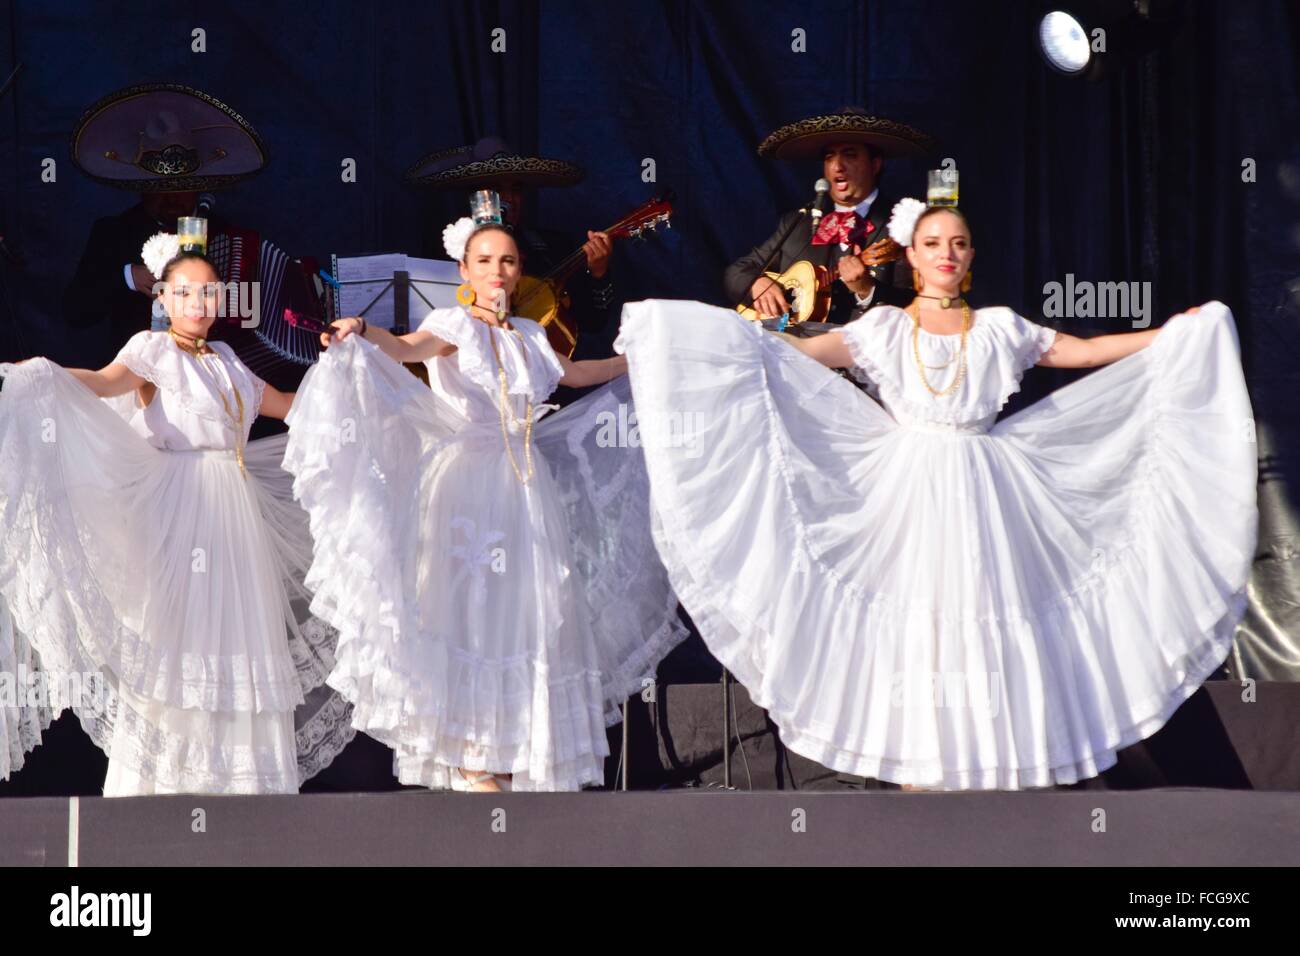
(965, 282)
(917, 282)
(465, 294)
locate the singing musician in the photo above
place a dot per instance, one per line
(850, 239)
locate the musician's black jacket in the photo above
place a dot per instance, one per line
(896, 290)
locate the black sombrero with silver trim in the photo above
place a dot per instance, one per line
(488, 163)
(165, 137)
(808, 138)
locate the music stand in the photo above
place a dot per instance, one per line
(430, 282)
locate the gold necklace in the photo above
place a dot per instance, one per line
(915, 312)
(236, 418)
(195, 349)
(504, 407)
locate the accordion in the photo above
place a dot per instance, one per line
(261, 283)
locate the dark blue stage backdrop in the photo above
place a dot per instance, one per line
(1140, 177)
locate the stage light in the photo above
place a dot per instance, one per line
(1063, 43)
(1099, 38)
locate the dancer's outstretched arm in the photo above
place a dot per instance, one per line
(422, 346)
(830, 349)
(275, 403)
(116, 379)
(1069, 351)
(413, 347)
(592, 371)
(111, 380)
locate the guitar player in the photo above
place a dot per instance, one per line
(852, 147)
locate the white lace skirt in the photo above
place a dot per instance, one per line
(156, 589)
(24, 712)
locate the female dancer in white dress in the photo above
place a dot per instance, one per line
(919, 595)
(493, 579)
(152, 556)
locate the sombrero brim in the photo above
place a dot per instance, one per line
(106, 140)
(808, 139)
(486, 173)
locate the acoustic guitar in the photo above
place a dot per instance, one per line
(807, 287)
(544, 300)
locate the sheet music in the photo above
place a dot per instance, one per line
(363, 278)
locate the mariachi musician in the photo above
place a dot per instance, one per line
(592, 309)
(859, 265)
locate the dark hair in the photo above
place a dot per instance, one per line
(487, 227)
(931, 210)
(177, 259)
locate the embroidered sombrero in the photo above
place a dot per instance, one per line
(164, 137)
(490, 162)
(807, 138)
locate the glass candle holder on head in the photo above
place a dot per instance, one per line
(942, 189)
(192, 232)
(485, 206)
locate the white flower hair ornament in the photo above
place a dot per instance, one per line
(158, 250)
(455, 235)
(902, 223)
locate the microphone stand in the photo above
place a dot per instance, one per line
(789, 231)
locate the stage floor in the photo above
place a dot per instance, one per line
(1225, 737)
(685, 827)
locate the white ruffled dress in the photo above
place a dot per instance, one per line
(483, 623)
(919, 595)
(160, 587)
